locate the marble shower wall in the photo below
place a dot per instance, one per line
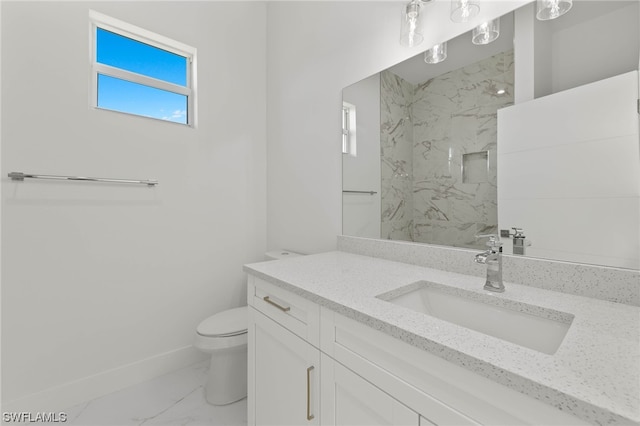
(396, 154)
(444, 189)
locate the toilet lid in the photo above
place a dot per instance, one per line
(226, 323)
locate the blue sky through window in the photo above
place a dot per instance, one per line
(125, 96)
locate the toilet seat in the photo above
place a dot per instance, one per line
(224, 330)
(209, 344)
(229, 323)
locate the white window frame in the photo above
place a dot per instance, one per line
(98, 20)
(349, 129)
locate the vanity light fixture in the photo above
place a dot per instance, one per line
(411, 24)
(436, 54)
(486, 32)
(464, 10)
(552, 9)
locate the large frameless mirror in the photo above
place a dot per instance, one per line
(420, 141)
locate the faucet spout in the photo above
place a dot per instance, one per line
(493, 259)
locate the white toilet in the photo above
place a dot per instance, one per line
(224, 336)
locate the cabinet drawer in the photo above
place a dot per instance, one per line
(442, 392)
(295, 313)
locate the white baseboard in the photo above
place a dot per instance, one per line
(65, 396)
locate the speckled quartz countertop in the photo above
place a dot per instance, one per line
(594, 374)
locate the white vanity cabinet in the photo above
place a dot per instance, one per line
(309, 365)
(284, 377)
(348, 399)
(289, 375)
(283, 364)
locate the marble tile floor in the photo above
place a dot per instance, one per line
(175, 399)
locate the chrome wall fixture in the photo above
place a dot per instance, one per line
(22, 176)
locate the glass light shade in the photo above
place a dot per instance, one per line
(436, 54)
(486, 32)
(464, 10)
(411, 24)
(551, 9)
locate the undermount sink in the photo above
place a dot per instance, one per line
(527, 325)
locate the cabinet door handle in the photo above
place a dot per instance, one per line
(271, 302)
(309, 415)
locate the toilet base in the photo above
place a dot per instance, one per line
(227, 376)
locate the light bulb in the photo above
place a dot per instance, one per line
(486, 32)
(436, 54)
(464, 10)
(411, 25)
(552, 9)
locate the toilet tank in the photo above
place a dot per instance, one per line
(280, 254)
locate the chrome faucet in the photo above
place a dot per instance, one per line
(520, 242)
(493, 259)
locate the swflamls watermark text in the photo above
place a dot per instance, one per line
(27, 417)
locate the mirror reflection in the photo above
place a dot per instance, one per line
(420, 140)
(437, 143)
(438, 148)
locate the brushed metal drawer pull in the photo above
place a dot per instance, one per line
(309, 415)
(271, 302)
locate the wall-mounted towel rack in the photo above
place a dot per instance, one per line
(361, 192)
(23, 176)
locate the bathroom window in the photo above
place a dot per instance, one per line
(348, 129)
(138, 72)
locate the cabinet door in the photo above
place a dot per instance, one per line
(349, 400)
(283, 375)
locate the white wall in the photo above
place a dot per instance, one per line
(596, 59)
(578, 48)
(314, 50)
(569, 173)
(361, 172)
(103, 285)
